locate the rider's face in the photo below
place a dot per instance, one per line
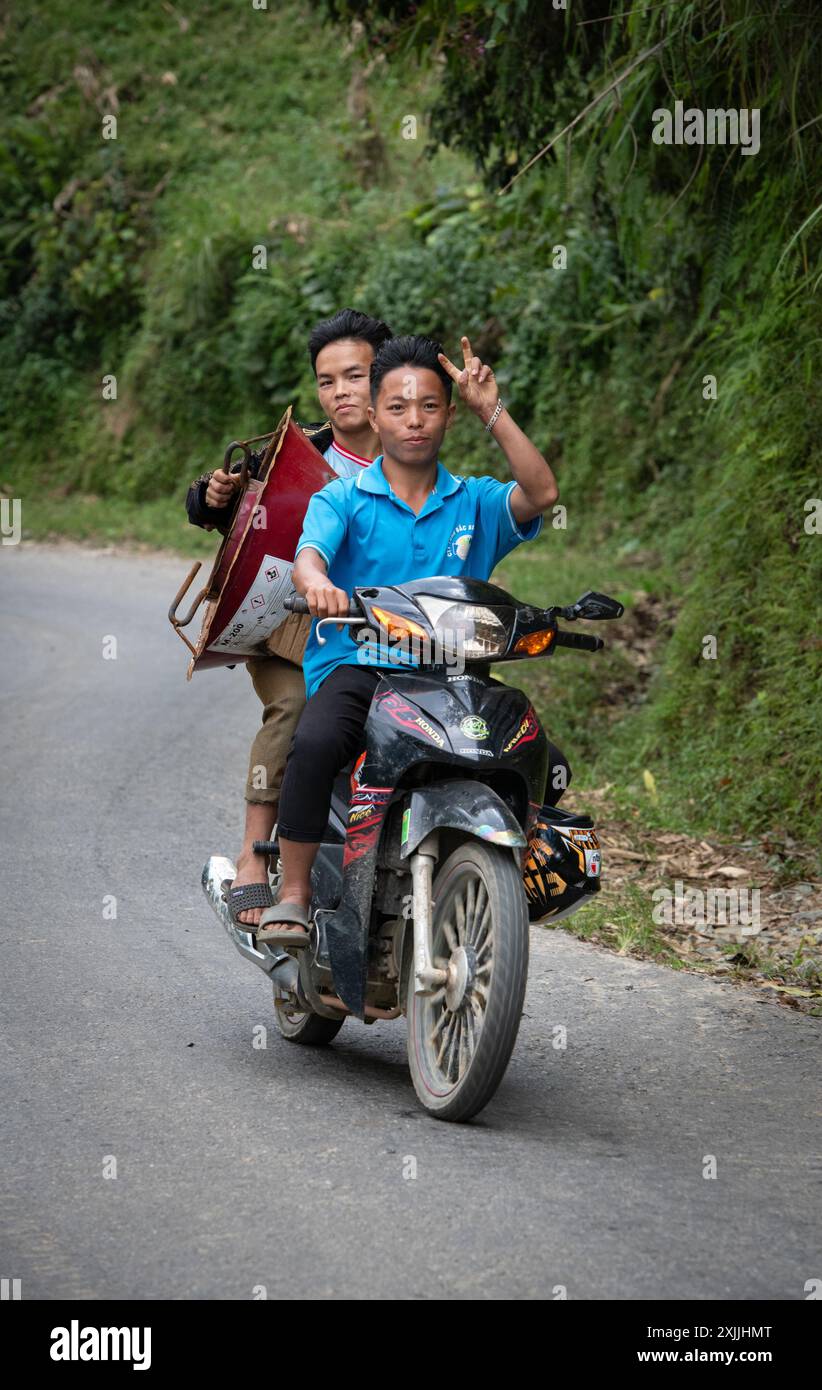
(411, 415)
(342, 384)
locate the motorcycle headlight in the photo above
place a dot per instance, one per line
(469, 629)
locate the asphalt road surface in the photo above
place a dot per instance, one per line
(236, 1167)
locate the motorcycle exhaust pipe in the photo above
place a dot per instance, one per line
(279, 966)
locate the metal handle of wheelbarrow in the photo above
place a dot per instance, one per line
(237, 444)
(176, 622)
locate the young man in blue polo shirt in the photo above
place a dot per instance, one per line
(403, 517)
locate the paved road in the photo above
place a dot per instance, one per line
(239, 1167)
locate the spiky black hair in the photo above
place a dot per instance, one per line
(346, 323)
(412, 350)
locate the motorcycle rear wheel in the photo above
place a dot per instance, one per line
(303, 1027)
(460, 1038)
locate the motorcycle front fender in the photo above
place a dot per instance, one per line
(471, 807)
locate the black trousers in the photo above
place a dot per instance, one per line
(329, 734)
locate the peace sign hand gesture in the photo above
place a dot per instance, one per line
(476, 382)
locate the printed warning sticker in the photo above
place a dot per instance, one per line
(261, 611)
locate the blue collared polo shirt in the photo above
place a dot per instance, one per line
(367, 535)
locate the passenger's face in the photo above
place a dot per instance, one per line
(411, 414)
(342, 383)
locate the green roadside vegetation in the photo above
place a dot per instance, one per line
(240, 128)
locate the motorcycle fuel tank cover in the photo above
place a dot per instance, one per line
(467, 714)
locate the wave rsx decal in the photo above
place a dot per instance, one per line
(528, 730)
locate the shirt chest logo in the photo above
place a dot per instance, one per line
(460, 541)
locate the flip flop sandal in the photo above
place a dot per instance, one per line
(241, 899)
(272, 935)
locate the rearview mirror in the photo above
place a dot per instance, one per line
(597, 606)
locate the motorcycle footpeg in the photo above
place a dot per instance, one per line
(285, 973)
(265, 847)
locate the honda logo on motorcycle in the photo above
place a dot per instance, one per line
(474, 727)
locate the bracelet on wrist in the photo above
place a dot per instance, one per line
(497, 411)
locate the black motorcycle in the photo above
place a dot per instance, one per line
(424, 880)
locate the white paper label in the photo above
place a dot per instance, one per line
(261, 611)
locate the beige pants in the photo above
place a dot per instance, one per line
(280, 686)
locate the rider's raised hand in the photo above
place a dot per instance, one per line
(476, 382)
(221, 488)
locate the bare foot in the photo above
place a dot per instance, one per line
(251, 868)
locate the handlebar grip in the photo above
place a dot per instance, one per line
(580, 640)
(296, 604)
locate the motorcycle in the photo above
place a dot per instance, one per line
(426, 878)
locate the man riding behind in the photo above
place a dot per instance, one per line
(341, 350)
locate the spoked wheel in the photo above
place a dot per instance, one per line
(302, 1026)
(460, 1038)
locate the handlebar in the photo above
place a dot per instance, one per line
(580, 640)
(296, 604)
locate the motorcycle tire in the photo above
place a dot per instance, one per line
(299, 1027)
(460, 1038)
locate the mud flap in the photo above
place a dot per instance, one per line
(347, 929)
(348, 949)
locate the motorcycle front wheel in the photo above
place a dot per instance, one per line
(461, 1037)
